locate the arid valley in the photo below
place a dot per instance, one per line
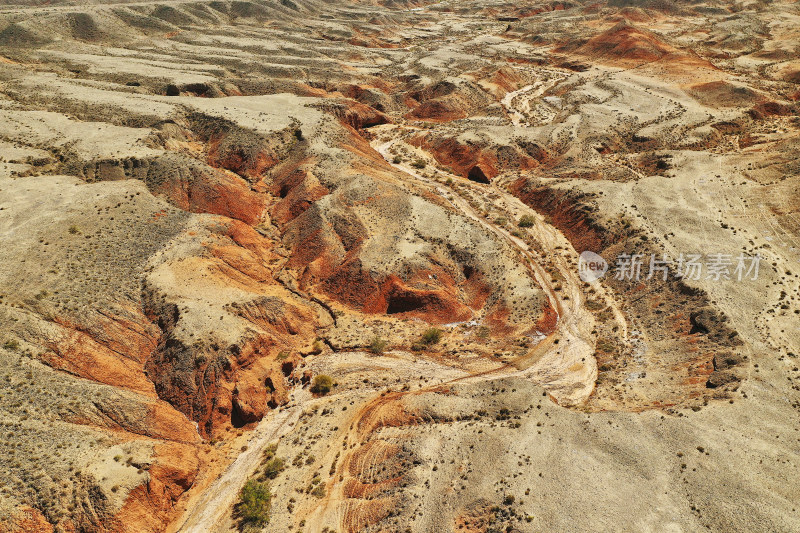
(400, 266)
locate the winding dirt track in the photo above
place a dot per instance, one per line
(554, 367)
(569, 372)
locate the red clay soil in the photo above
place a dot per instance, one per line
(27, 520)
(234, 393)
(298, 190)
(355, 114)
(626, 45)
(508, 79)
(440, 110)
(360, 514)
(437, 303)
(445, 101)
(476, 519)
(217, 192)
(477, 162)
(151, 505)
(147, 507)
(86, 354)
(549, 321)
(239, 162)
(244, 152)
(564, 213)
(774, 109)
(367, 489)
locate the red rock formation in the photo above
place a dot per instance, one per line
(439, 305)
(723, 94)
(27, 520)
(479, 162)
(245, 152)
(151, 505)
(445, 101)
(354, 114)
(218, 192)
(565, 213)
(773, 109)
(627, 45)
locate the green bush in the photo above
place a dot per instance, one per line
(269, 452)
(377, 345)
(322, 384)
(526, 221)
(254, 503)
(273, 467)
(419, 164)
(431, 336)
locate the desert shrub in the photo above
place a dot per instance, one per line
(431, 336)
(254, 504)
(605, 345)
(526, 221)
(377, 345)
(11, 344)
(273, 467)
(322, 384)
(594, 305)
(419, 164)
(269, 452)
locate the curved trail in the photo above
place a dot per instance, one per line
(568, 372)
(518, 103)
(545, 363)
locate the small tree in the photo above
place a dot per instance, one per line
(254, 503)
(322, 384)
